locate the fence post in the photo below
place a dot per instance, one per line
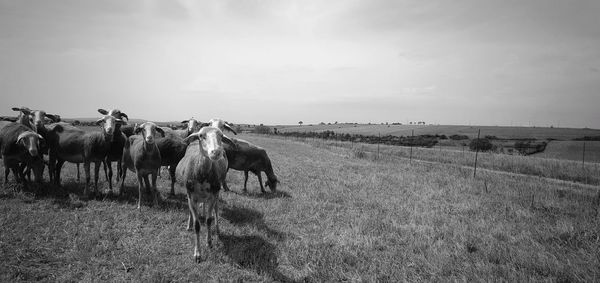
(476, 153)
(411, 144)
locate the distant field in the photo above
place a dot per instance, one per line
(471, 131)
(572, 150)
(339, 215)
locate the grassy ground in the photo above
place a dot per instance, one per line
(339, 215)
(572, 150)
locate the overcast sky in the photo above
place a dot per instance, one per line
(523, 62)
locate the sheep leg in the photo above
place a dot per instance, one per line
(17, 175)
(262, 189)
(57, 170)
(108, 173)
(78, 178)
(245, 180)
(190, 217)
(124, 173)
(225, 187)
(6, 172)
(119, 169)
(172, 173)
(216, 209)
(139, 177)
(51, 165)
(194, 214)
(86, 169)
(96, 176)
(209, 218)
(147, 182)
(154, 189)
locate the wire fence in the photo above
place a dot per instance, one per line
(582, 171)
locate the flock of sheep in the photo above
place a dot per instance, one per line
(198, 157)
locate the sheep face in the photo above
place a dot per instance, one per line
(109, 124)
(115, 113)
(31, 142)
(148, 131)
(193, 126)
(211, 141)
(221, 125)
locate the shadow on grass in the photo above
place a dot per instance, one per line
(253, 252)
(240, 216)
(260, 195)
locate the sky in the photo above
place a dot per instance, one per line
(463, 62)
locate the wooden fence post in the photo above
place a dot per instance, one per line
(476, 153)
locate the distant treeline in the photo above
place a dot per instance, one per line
(421, 141)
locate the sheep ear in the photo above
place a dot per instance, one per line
(137, 128)
(204, 125)
(21, 136)
(191, 138)
(184, 122)
(228, 141)
(123, 115)
(102, 111)
(161, 131)
(99, 121)
(229, 128)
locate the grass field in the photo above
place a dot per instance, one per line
(339, 216)
(572, 150)
(471, 131)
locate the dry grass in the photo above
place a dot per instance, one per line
(339, 215)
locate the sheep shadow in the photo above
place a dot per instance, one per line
(260, 195)
(253, 252)
(240, 216)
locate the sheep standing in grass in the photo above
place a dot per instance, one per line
(141, 155)
(245, 156)
(68, 143)
(115, 152)
(19, 146)
(172, 149)
(200, 172)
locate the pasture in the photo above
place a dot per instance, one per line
(339, 215)
(572, 150)
(503, 132)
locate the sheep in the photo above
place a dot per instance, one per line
(172, 149)
(245, 156)
(220, 124)
(68, 143)
(37, 120)
(116, 146)
(141, 155)
(24, 116)
(192, 126)
(21, 145)
(200, 172)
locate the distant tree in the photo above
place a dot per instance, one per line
(336, 122)
(300, 123)
(76, 123)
